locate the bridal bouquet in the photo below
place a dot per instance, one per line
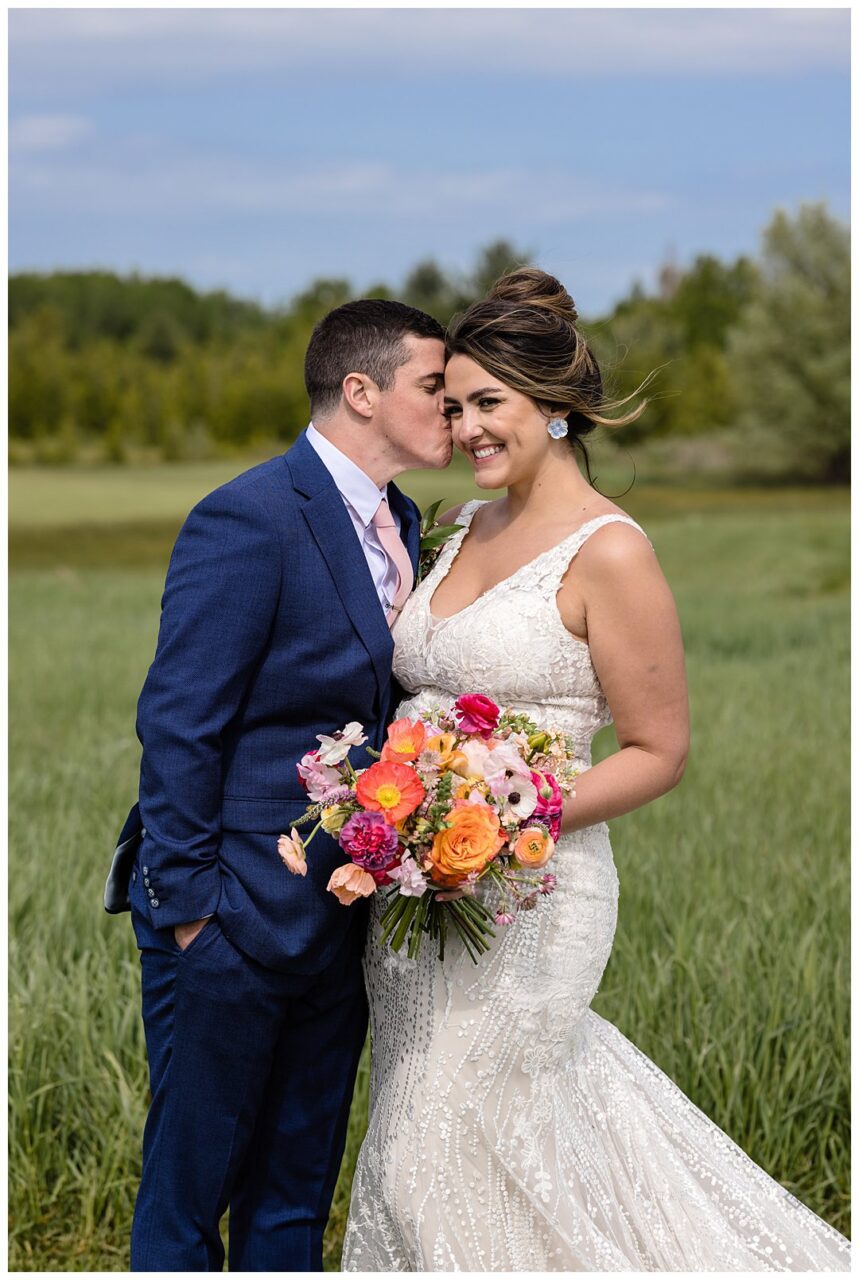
(454, 799)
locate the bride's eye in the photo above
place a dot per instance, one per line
(451, 410)
(487, 402)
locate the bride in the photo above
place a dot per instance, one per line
(511, 1128)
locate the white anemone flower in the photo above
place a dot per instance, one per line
(517, 797)
(334, 749)
(505, 756)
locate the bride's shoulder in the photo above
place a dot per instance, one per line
(615, 544)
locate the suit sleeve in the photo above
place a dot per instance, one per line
(217, 612)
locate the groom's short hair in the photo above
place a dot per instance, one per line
(365, 336)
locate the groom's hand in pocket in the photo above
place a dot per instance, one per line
(186, 933)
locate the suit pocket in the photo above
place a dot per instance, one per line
(210, 925)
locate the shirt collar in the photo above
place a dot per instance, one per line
(354, 484)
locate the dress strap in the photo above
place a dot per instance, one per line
(451, 547)
(552, 567)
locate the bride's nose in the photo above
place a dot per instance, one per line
(470, 428)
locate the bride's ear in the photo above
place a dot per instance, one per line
(361, 394)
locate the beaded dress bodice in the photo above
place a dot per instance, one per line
(511, 1128)
(510, 643)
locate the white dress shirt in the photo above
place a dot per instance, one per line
(361, 498)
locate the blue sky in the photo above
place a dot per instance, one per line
(257, 149)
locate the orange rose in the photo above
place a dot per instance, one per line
(533, 848)
(405, 741)
(468, 844)
(394, 790)
(348, 883)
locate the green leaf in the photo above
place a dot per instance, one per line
(439, 534)
(428, 517)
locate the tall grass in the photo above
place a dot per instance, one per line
(730, 967)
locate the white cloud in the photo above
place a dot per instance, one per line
(84, 49)
(47, 132)
(195, 186)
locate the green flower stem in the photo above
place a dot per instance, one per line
(417, 926)
(480, 914)
(468, 942)
(392, 917)
(466, 922)
(318, 827)
(403, 926)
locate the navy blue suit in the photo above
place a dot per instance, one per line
(271, 632)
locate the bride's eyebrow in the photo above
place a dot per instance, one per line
(482, 391)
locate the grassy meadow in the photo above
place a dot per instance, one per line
(730, 967)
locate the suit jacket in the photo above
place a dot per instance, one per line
(271, 632)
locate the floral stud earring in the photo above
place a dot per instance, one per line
(557, 428)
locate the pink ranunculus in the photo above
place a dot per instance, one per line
(370, 841)
(475, 713)
(550, 806)
(316, 778)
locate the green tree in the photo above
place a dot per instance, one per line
(790, 351)
(496, 260)
(429, 289)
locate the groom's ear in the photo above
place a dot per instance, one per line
(361, 394)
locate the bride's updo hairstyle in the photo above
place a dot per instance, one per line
(524, 333)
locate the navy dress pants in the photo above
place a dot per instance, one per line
(251, 1075)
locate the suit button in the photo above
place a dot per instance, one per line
(155, 902)
(151, 892)
(146, 881)
(146, 871)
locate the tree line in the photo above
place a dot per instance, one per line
(119, 369)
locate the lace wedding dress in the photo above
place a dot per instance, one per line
(511, 1128)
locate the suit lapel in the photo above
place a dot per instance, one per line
(334, 534)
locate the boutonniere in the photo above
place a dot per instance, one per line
(433, 538)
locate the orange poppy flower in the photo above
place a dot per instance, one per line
(394, 790)
(406, 740)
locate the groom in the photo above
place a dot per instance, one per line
(274, 627)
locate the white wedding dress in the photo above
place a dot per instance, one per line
(511, 1128)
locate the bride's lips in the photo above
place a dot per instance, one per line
(482, 462)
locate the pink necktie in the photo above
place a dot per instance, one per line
(392, 544)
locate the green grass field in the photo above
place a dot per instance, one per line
(730, 967)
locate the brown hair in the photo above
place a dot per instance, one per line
(524, 333)
(365, 336)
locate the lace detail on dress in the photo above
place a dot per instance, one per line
(511, 1128)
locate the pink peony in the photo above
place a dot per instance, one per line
(476, 713)
(550, 806)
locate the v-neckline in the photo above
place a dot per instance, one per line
(436, 620)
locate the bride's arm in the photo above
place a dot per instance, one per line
(637, 651)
